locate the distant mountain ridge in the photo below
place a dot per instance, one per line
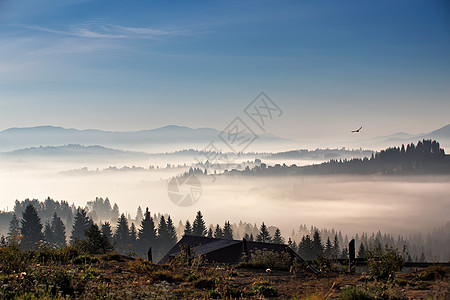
(27, 137)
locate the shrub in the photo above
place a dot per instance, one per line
(356, 293)
(268, 259)
(384, 263)
(264, 287)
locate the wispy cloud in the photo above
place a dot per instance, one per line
(108, 31)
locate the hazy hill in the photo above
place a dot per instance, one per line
(149, 140)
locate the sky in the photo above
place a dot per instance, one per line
(331, 66)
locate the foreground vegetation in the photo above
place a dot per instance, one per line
(72, 272)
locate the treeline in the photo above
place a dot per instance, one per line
(136, 235)
(426, 157)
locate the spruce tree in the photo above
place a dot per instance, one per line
(48, 233)
(227, 231)
(80, 224)
(361, 251)
(171, 233)
(218, 233)
(31, 228)
(187, 228)
(210, 233)
(264, 235)
(328, 248)
(122, 234)
(277, 238)
(96, 242)
(106, 231)
(133, 236)
(317, 247)
(59, 231)
(336, 249)
(14, 228)
(147, 232)
(115, 213)
(139, 215)
(199, 227)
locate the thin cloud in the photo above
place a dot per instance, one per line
(114, 32)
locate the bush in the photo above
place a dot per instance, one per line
(356, 293)
(264, 287)
(384, 263)
(268, 259)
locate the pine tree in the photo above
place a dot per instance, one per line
(80, 224)
(227, 231)
(277, 238)
(305, 248)
(122, 234)
(361, 251)
(317, 247)
(133, 236)
(107, 231)
(336, 249)
(187, 228)
(147, 232)
(171, 233)
(252, 239)
(14, 229)
(48, 233)
(115, 212)
(246, 237)
(210, 233)
(344, 254)
(163, 233)
(218, 233)
(328, 252)
(59, 231)
(96, 242)
(264, 235)
(199, 227)
(31, 228)
(139, 215)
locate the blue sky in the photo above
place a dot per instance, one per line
(127, 65)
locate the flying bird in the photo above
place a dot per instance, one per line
(357, 130)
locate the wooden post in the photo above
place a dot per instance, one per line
(149, 254)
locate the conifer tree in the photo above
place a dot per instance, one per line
(122, 234)
(227, 231)
(80, 224)
(96, 242)
(336, 249)
(218, 233)
(31, 227)
(264, 235)
(171, 233)
(317, 247)
(277, 238)
(139, 215)
(199, 227)
(361, 251)
(133, 236)
(58, 230)
(328, 248)
(210, 233)
(115, 212)
(187, 228)
(107, 231)
(147, 232)
(14, 228)
(48, 233)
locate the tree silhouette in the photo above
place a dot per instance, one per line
(14, 228)
(187, 228)
(171, 233)
(199, 227)
(218, 233)
(147, 232)
(80, 224)
(264, 235)
(96, 242)
(122, 234)
(115, 212)
(328, 252)
(139, 215)
(210, 233)
(336, 249)
(317, 247)
(227, 231)
(58, 230)
(133, 236)
(107, 232)
(277, 238)
(31, 228)
(48, 233)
